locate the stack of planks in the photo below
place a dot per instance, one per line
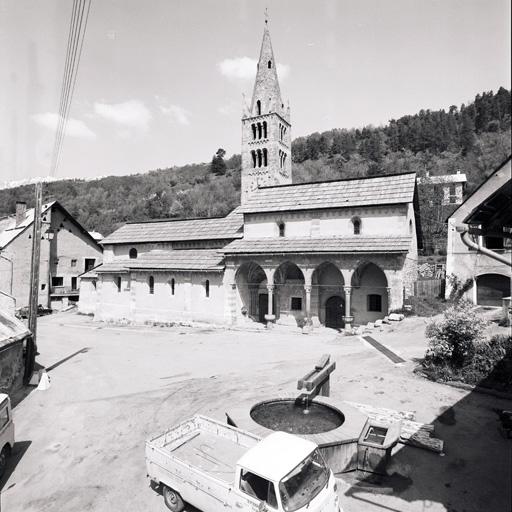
(412, 433)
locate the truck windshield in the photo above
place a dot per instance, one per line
(302, 484)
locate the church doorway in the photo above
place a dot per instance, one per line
(262, 306)
(334, 311)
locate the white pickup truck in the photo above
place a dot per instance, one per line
(216, 467)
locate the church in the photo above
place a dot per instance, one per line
(332, 253)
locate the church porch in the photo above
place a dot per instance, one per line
(336, 291)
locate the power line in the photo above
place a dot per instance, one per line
(76, 36)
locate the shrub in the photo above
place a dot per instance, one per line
(457, 287)
(452, 339)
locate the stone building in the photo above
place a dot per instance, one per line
(449, 187)
(333, 253)
(479, 244)
(67, 250)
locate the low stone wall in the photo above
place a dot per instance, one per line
(11, 367)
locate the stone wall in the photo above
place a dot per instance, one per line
(11, 367)
(135, 303)
(392, 221)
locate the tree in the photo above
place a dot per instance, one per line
(218, 166)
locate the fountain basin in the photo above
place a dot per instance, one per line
(338, 445)
(295, 417)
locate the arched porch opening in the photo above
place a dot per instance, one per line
(251, 283)
(327, 295)
(290, 298)
(369, 293)
(491, 288)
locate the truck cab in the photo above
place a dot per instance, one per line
(285, 473)
(6, 431)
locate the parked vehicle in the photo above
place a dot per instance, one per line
(6, 431)
(216, 467)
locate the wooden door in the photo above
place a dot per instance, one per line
(334, 311)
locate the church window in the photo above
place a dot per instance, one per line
(118, 284)
(410, 226)
(269, 64)
(374, 302)
(253, 126)
(258, 107)
(282, 229)
(173, 286)
(265, 157)
(264, 129)
(259, 157)
(356, 223)
(253, 153)
(207, 288)
(259, 130)
(151, 282)
(133, 253)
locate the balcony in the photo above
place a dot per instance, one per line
(63, 291)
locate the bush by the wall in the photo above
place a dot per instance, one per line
(452, 338)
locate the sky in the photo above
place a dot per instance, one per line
(160, 82)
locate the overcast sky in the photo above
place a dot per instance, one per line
(160, 81)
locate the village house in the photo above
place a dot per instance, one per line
(67, 250)
(449, 187)
(332, 253)
(479, 244)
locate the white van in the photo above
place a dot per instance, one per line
(6, 431)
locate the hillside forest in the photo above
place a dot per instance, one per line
(473, 139)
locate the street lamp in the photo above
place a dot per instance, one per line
(49, 234)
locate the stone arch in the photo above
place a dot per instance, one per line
(369, 293)
(264, 129)
(133, 253)
(289, 280)
(491, 288)
(258, 108)
(327, 281)
(251, 281)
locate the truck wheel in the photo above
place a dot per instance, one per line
(4, 455)
(172, 499)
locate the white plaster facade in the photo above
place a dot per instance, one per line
(467, 263)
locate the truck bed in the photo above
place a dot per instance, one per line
(211, 454)
(204, 445)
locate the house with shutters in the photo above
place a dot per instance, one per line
(333, 253)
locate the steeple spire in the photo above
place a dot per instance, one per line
(266, 128)
(266, 96)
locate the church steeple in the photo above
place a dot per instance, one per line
(266, 137)
(266, 96)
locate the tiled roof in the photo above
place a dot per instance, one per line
(179, 230)
(439, 180)
(8, 229)
(393, 189)
(201, 260)
(348, 244)
(11, 329)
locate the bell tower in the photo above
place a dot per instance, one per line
(266, 128)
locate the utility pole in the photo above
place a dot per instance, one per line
(34, 284)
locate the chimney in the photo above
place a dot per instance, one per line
(21, 210)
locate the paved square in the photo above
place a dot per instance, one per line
(80, 444)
